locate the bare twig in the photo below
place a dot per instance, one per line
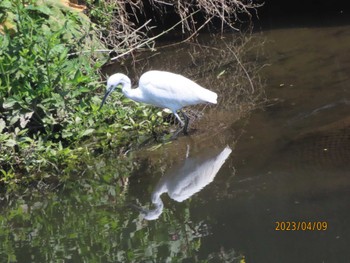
(135, 47)
(242, 66)
(122, 35)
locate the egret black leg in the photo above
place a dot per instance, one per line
(186, 122)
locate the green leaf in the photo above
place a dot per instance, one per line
(9, 103)
(10, 143)
(66, 134)
(41, 8)
(14, 119)
(63, 55)
(2, 125)
(87, 132)
(57, 49)
(5, 4)
(24, 119)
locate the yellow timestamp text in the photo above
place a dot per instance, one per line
(301, 225)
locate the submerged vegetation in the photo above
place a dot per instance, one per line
(51, 85)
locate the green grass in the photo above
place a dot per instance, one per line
(49, 99)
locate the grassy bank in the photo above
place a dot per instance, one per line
(51, 85)
(49, 96)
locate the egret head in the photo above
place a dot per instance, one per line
(114, 81)
(155, 213)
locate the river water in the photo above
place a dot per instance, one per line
(272, 187)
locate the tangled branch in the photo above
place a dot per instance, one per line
(126, 33)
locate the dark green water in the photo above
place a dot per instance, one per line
(287, 163)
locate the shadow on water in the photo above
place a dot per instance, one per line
(286, 163)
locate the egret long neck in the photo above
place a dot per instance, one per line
(134, 94)
(157, 211)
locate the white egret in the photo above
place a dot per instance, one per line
(182, 182)
(163, 89)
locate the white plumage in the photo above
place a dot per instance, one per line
(163, 89)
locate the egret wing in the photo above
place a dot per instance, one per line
(169, 90)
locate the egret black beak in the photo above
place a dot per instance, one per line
(109, 91)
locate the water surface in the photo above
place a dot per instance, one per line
(286, 163)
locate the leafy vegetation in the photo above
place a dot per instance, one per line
(49, 95)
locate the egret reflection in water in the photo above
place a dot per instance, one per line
(184, 181)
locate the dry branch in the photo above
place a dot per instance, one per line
(125, 34)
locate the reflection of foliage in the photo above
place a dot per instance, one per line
(87, 220)
(173, 236)
(229, 256)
